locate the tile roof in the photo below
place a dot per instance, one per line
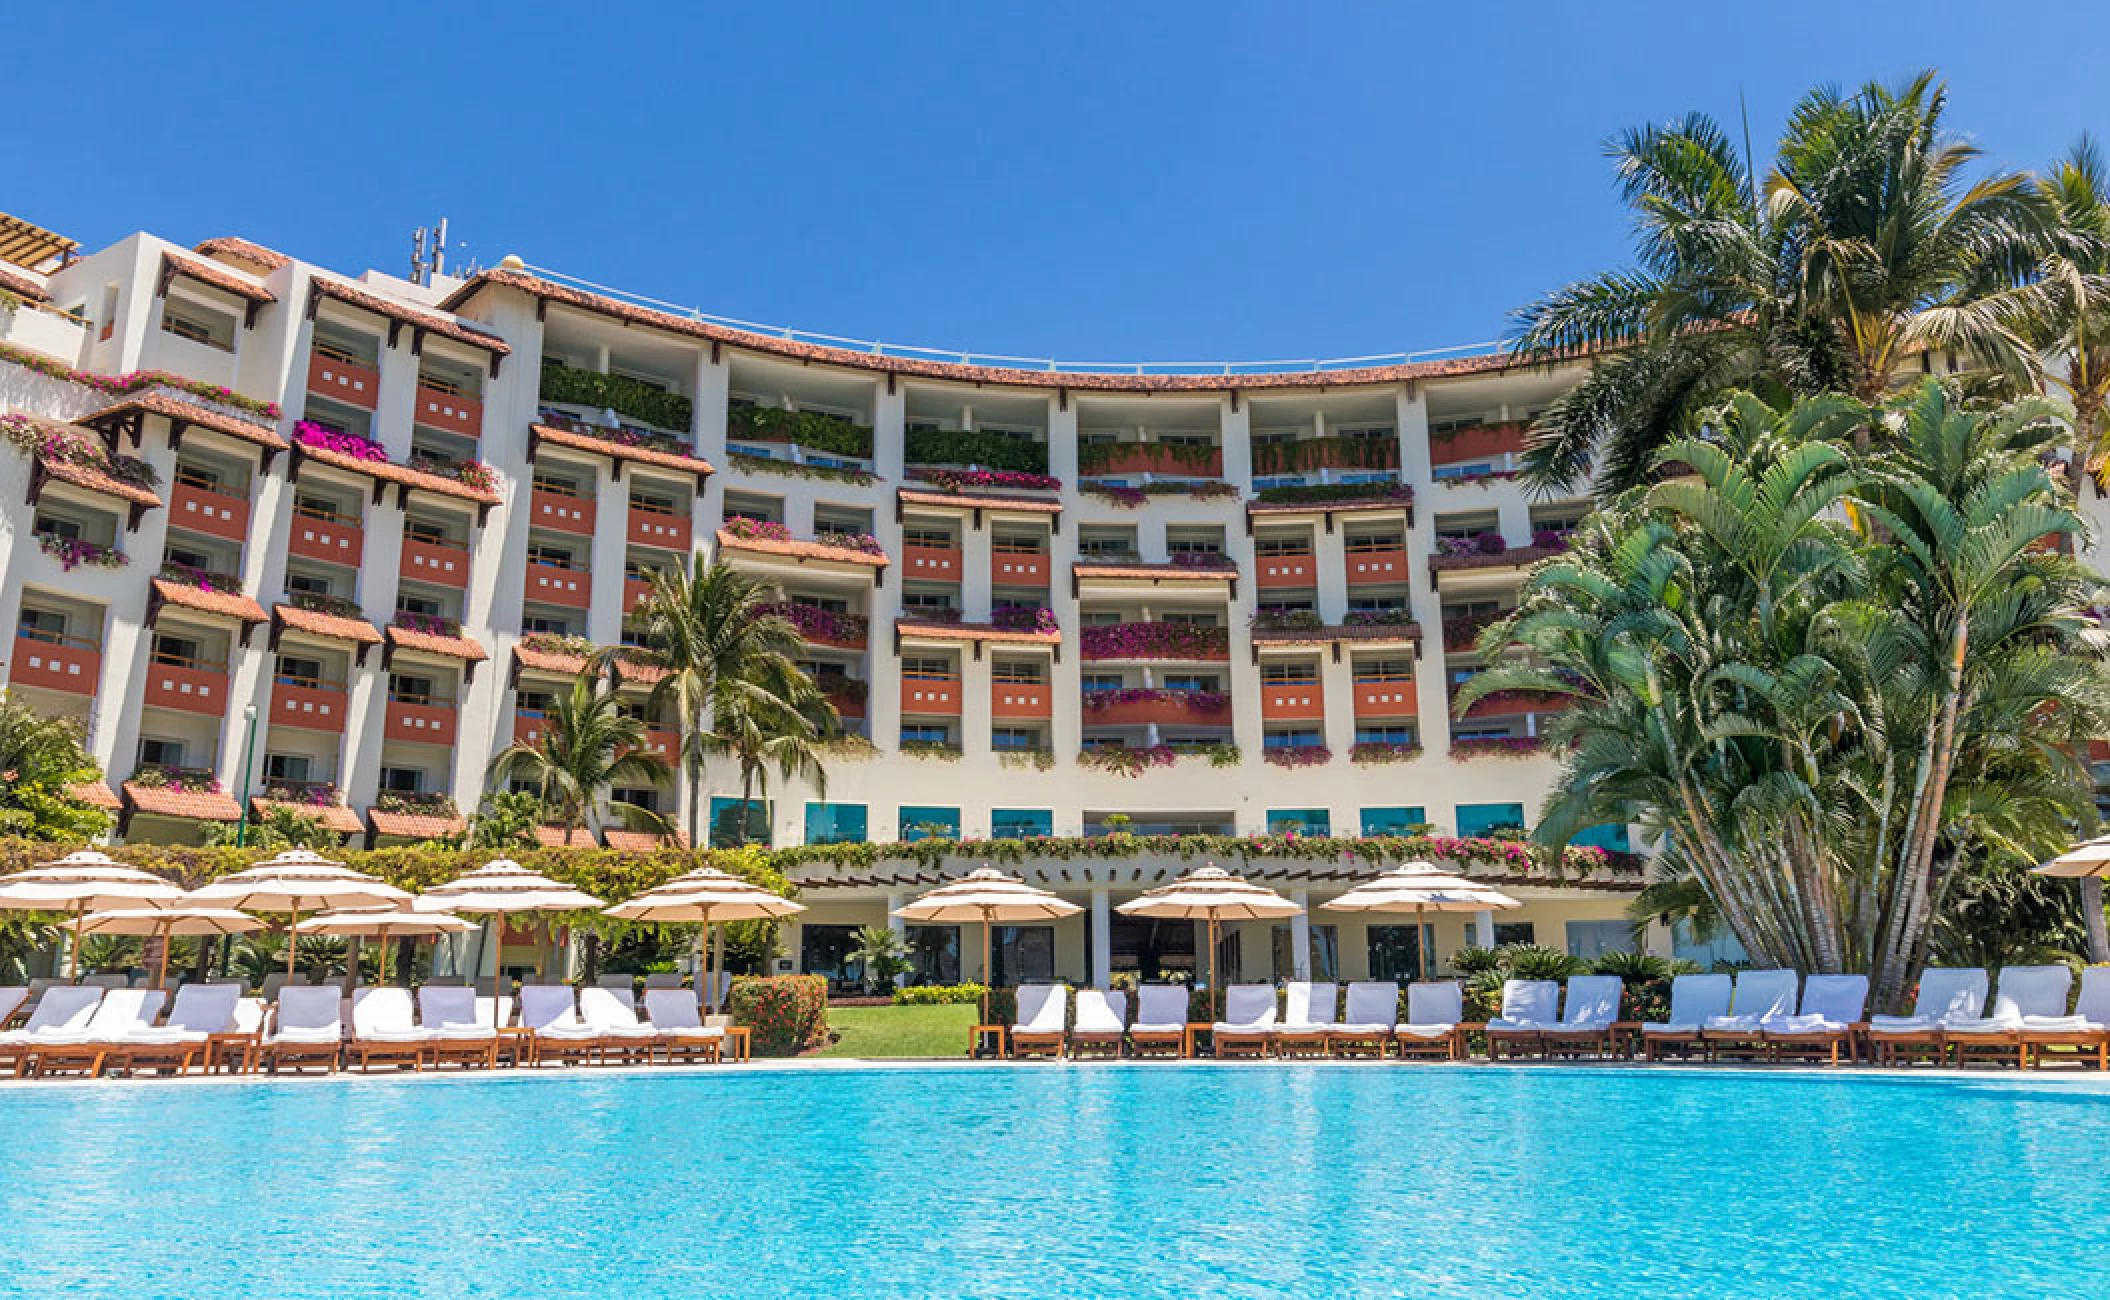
(802, 550)
(23, 284)
(476, 336)
(334, 626)
(643, 841)
(622, 450)
(556, 837)
(193, 805)
(229, 604)
(217, 277)
(241, 250)
(614, 309)
(335, 817)
(95, 480)
(1379, 632)
(974, 632)
(570, 665)
(175, 408)
(414, 826)
(96, 794)
(976, 501)
(390, 472)
(453, 647)
(1514, 557)
(1177, 572)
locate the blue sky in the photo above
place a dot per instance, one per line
(1094, 181)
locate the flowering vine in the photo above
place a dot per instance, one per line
(1123, 761)
(139, 380)
(1194, 701)
(1497, 747)
(310, 434)
(1298, 755)
(1371, 752)
(202, 579)
(955, 480)
(1154, 641)
(73, 552)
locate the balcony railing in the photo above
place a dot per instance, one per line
(449, 411)
(337, 375)
(550, 584)
(1180, 460)
(186, 685)
(436, 563)
(203, 506)
(329, 537)
(663, 529)
(563, 512)
(56, 661)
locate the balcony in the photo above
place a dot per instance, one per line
(1154, 640)
(822, 626)
(309, 705)
(1032, 701)
(332, 539)
(663, 743)
(564, 514)
(1387, 698)
(549, 585)
(931, 563)
(1143, 706)
(1019, 569)
(927, 696)
(203, 510)
(1514, 704)
(337, 376)
(187, 686)
(1375, 567)
(443, 566)
(1271, 571)
(660, 528)
(420, 720)
(56, 662)
(1301, 702)
(846, 693)
(528, 727)
(1104, 460)
(448, 412)
(635, 590)
(1496, 442)
(1307, 455)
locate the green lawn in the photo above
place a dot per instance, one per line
(874, 1032)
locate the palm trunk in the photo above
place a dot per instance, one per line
(2092, 917)
(695, 804)
(1913, 885)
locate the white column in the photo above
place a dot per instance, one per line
(1102, 940)
(1300, 936)
(1484, 929)
(898, 926)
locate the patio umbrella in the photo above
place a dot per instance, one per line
(502, 887)
(296, 881)
(2088, 858)
(1420, 887)
(706, 896)
(988, 896)
(80, 883)
(167, 923)
(1210, 893)
(384, 923)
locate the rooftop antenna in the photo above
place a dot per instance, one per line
(428, 252)
(1750, 175)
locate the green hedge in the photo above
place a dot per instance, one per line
(812, 430)
(962, 448)
(619, 393)
(939, 995)
(788, 1014)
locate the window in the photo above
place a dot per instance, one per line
(1099, 682)
(928, 602)
(315, 507)
(1509, 932)
(928, 821)
(1393, 821)
(1191, 681)
(1611, 837)
(1014, 739)
(546, 625)
(1395, 951)
(928, 670)
(654, 503)
(1282, 546)
(1593, 939)
(154, 752)
(420, 530)
(290, 768)
(410, 689)
(1190, 620)
(1018, 672)
(176, 651)
(1389, 734)
(725, 822)
(934, 537)
(555, 484)
(1099, 618)
(1023, 954)
(1721, 949)
(558, 557)
(1020, 823)
(1301, 821)
(424, 606)
(307, 584)
(1485, 818)
(927, 733)
(1016, 544)
(53, 526)
(1384, 670)
(1325, 950)
(403, 780)
(1299, 738)
(1289, 674)
(835, 823)
(532, 703)
(177, 553)
(41, 625)
(296, 670)
(199, 324)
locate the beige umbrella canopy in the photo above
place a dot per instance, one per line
(2089, 858)
(705, 896)
(297, 881)
(502, 887)
(1420, 888)
(168, 922)
(80, 883)
(384, 923)
(1212, 894)
(989, 896)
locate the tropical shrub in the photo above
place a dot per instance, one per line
(618, 393)
(936, 995)
(44, 758)
(965, 448)
(786, 1014)
(813, 430)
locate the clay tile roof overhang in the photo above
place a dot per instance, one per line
(241, 250)
(413, 826)
(530, 659)
(1379, 632)
(23, 284)
(217, 277)
(390, 472)
(91, 479)
(453, 647)
(621, 450)
(556, 837)
(334, 817)
(192, 805)
(474, 336)
(333, 627)
(976, 501)
(642, 841)
(548, 291)
(178, 411)
(798, 550)
(909, 627)
(228, 604)
(96, 794)
(1157, 572)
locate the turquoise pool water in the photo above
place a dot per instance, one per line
(1087, 1181)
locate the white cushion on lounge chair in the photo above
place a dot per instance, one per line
(1100, 1011)
(1593, 1002)
(611, 1014)
(2025, 991)
(12, 997)
(1694, 1000)
(1373, 1008)
(1310, 1007)
(1434, 1008)
(199, 1011)
(124, 1011)
(452, 1014)
(552, 1011)
(1946, 993)
(63, 1013)
(1762, 997)
(2093, 1005)
(1528, 1006)
(1248, 1009)
(675, 1012)
(1831, 1004)
(1161, 1009)
(385, 1015)
(308, 1015)
(1042, 1009)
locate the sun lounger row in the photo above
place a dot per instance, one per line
(1311, 1023)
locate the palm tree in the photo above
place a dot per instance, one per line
(1863, 246)
(883, 953)
(588, 744)
(771, 717)
(41, 759)
(711, 623)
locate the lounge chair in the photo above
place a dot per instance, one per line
(1529, 1009)
(1946, 993)
(1372, 1015)
(1832, 1006)
(459, 1026)
(385, 1028)
(1435, 1021)
(1161, 1020)
(677, 1017)
(1761, 999)
(1043, 1011)
(612, 1014)
(1590, 1011)
(122, 1011)
(307, 1028)
(1309, 1016)
(1248, 1023)
(12, 997)
(2025, 994)
(1100, 1022)
(1694, 1000)
(665, 979)
(2091, 1010)
(550, 1014)
(61, 1015)
(198, 1013)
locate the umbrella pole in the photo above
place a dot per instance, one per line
(497, 923)
(1421, 945)
(73, 955)
(988, 971)
(292, 942)
(161, 976)
(710, 984)
(721, 985)
(1215, 1007)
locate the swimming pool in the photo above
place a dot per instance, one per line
(1059, 1181)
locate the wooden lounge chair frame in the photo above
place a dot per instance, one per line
(279, 1056)
(1096, 1043)
(1450, 1046)
(85, 1059)
(134, 1057)
(1816, 1044)
(1298, 1043)
(2087, 1040)
(1358, 1043)
(1516, 1042)
(1894, 1048)
(1157, 1042)
(690, 1049)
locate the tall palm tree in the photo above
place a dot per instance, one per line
(702, 626)
(41, 759)
(771, 717)
(2063, 311)
(1864, 244)
(588, 745)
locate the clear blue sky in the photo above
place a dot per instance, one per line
(1088, 180)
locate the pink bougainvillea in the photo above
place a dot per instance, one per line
(954, 480)
(310, 434)
(1497, 747)
(1025, 618)
(817, 624)
(1154, 641)
(1298, 755)
(1198, 701)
